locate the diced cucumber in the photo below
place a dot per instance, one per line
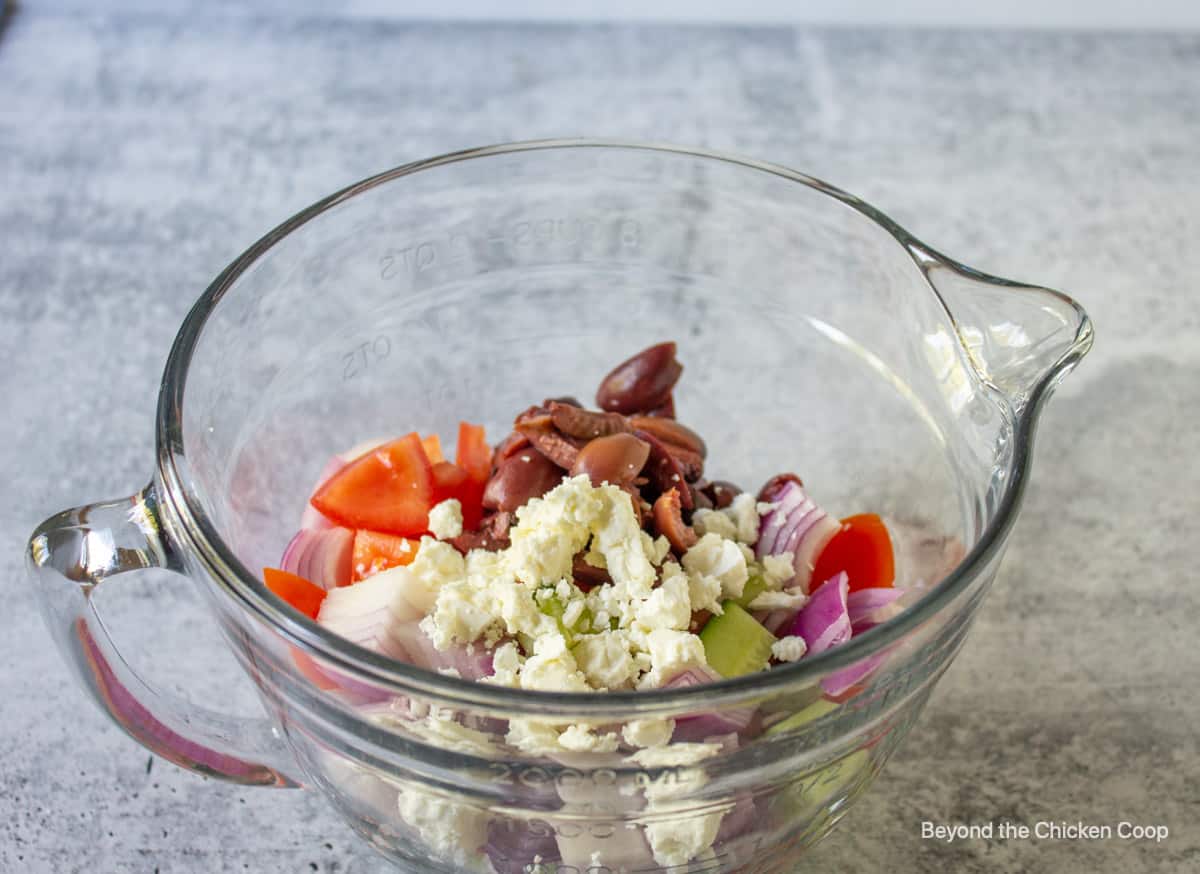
(811, 713)
(755, 586)
(735, 643)
(553, 606)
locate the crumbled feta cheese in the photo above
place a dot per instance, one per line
(785, 600)
(647, 733)
(705, 521)
(605, 659)
(533, 736)
(669, 606)
(436, 565)
(583, 739)
(446, 520)
(506, 665)
(778, 569)
(552, 668)
(789, 649)
(452, 830)
(678, 840)
(671, 652)
(676, 755)
(656, 549)
(713, 556)
(744, 514)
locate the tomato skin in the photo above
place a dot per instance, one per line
(388, 489)
(863, 549)
(433, 448)
(473, 456)
(297, 592)
(375, 551)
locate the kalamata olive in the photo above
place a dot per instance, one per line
(586, 424)
(721, 493)
(668, 521)
(672, 433)
(491, 536)
(700, 500)
(664, 471)
(665, 410)
(770, 490)
(642, 382)
(616, 459)
(525, 474)
(510, 445)
(569, 400)
(586, 576)
(548, 440)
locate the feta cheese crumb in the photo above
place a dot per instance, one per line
(647, 733)
(743, 512)
(785, 600)
(678, 840)
(676, 755)
(552, 668)
(706, 521)
(721, 559)
(446, 520)
(671, 652)
(605, 660)
(583, 739)
(778, 569)
(789, 649)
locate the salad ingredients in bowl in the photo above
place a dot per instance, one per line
(588, 551)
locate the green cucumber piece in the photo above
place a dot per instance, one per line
(811, 713)
(735, 643)
(755, 586)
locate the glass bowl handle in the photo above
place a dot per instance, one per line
(72, 553)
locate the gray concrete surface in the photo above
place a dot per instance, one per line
(143, 146)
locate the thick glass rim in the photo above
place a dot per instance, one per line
(199, 535)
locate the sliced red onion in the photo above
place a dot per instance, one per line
(868, 607)
(367, 612)
(324, 558)
(311, 518)
(472, 663)
(698, 728)
(841, 680)
(797, 525)
(773, 620)
(824, 622)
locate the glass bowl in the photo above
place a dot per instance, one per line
(816, 335)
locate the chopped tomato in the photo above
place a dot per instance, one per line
(375, 551)
(309, 669)
(433, 448)
(389, 489)
(448, 480)
(472, 453)
(863, 549)
(298, 592)
(473, 457)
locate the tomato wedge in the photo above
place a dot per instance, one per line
(433, 448)
(863, 549)
(375, 551)
(472, 453)
(388, 489)
(298, 592)
(473, 457)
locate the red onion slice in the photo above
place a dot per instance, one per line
(868, 607)
(796, 525)
(704, 725)
(823, 621)
(840, 680)
(324, 558)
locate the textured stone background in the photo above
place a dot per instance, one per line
(143, 146)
